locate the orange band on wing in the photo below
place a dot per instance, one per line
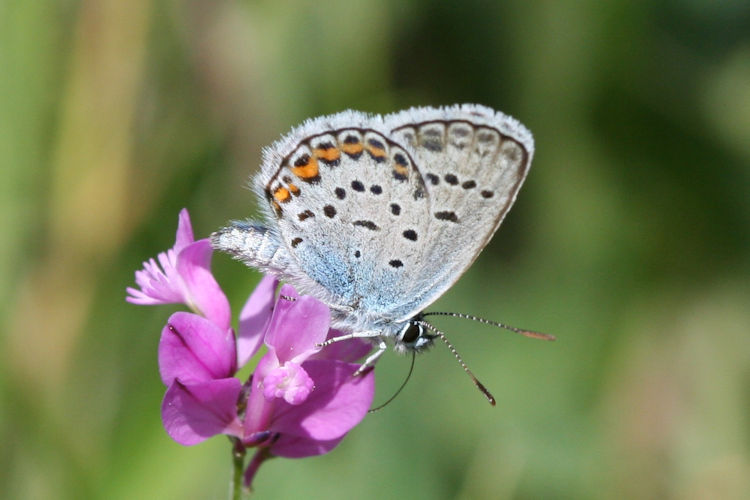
(353, 148)
(282, 194)
(400, 169)
(328, 155)
(306, 168)
(377, 153)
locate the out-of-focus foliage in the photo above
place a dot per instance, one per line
(630, 240)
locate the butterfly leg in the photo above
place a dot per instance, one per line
(371, 359)
(359, 335)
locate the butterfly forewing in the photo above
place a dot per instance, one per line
(348, 204)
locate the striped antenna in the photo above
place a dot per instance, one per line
(526, 333)
(474, 379)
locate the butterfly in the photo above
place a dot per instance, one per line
(377, 216)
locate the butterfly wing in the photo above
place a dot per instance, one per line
(349, 205)
(379, 216)
(473, 161)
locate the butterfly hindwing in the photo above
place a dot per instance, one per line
(474, 161)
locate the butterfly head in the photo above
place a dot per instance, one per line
(414, 336)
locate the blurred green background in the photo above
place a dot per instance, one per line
(630, 240)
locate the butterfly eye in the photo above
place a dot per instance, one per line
(411, 333)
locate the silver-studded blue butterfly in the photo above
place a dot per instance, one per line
(377, 216)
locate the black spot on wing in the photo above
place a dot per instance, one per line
(410, 234)
(366, 224)
(305, 215)
(451, 179)
(302, 160)
(446, 216)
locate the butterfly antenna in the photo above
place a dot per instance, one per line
(474, 379)
(526, 333)
(403, 384)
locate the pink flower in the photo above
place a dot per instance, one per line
(183, 276)
(301, 401)
(295, 407)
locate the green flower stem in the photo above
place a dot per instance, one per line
(238, 461)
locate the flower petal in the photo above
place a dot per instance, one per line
(202, 292)
(254, 318)
(193, 413)
(184, 235)
(194, 349)
(158, 283)
(297, 326)
(290, 382)
(259, 410)
(338, 403)
(161, 283)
